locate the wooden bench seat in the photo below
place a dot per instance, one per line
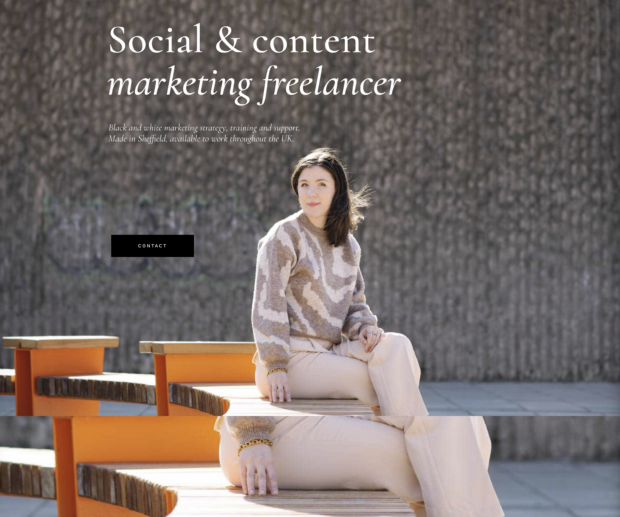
(197, 347)
(56, 342)
(201, 489)
(236, 399)
(119, 387)
(7, 382)
(27, 472)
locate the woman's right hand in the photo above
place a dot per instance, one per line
(277, 384)
(258, 459)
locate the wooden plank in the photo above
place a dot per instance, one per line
(41, 457)
(202, 347)
(28, 472)
(7, 381)
(10, 342)
(290, 502)
(300, 408)
(202, 489)
(47, 342)
(120, 387)
(146, 347)
(236, 399)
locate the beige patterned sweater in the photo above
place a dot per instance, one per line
(305, 287)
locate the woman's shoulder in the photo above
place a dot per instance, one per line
(285, 231)
(288, 225)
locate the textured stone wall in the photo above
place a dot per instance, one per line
(493, 242)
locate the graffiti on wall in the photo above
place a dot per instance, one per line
(78, 238)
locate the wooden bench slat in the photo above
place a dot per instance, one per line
(28, 472)
(49, 342)
(120, 387)
(197, 347)
(202, 489)
(236, 399)
(146, 347)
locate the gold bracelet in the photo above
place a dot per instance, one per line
(276, 370)
(256, 441)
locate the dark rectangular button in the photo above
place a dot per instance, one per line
(152, 245)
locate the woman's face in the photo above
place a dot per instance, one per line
(316, 188)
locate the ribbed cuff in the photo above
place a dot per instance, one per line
(275, 364)
(250, 434)
(364, 326)
(359, 331)
(246, 428)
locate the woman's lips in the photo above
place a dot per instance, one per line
(313, 204)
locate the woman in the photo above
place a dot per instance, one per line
(437, 464)
(309, 293)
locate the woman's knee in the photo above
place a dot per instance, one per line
(394, 341)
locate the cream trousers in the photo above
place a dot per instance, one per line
(437, 464)
(388, 377)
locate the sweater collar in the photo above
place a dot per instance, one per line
(308, 225)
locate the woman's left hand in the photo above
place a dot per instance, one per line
(371, 337)
(258, 459)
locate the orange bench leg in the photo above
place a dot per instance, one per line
(30, 364)
(125, 440)
(197, 368)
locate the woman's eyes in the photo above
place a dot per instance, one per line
(320, 185)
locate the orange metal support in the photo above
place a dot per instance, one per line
(30, 364)
(23, 384)
(197, 368)
(161, 386)
(124, 440)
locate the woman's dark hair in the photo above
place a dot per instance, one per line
(344, 215)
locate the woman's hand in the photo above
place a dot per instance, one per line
(258, 459)
(371, 337)
(277, 384)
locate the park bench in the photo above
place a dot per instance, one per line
(7, 382)
(202, 489)
(46, 386)
(48, 356)
(62, 376)
(114, 466)
(222, 382)
(27, 472)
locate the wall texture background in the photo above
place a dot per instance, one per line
(494, 240)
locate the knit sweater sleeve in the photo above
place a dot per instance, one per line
(359, 314)
(246, 428)
(270, 322)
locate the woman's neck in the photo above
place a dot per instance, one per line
(319, 222)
